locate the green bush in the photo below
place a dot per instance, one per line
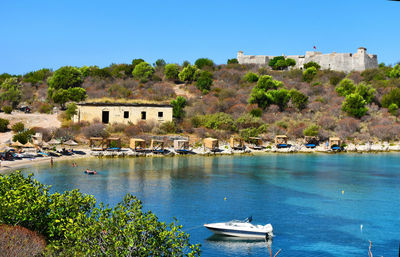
(11, 91)
(187, 74)
(257, 112)
(75, 225)
(204, 62)
(252, 132)
(204, 81)
(135, 62)
(143, 71)
(18, 127)
(23, 137)
(168, 127)
(260, 93)
(309, 74)
(393, 109)
(7, 109)
(345, 87)
(298, 99)
(232, 61)
(312, 64)
(219, 120)
(171, 71)
(395, 72)
(280, 63)
(354, 105)
(3, 125)
(178, 106)
(71, 111)
(366, 91)
(250, 77)
(66, 77)
(45, 108)
(393, 97)
(312, 130)
(248, 121)
(280, 97)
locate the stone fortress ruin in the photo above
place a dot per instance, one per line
(346, 62)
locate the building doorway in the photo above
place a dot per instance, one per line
(105, 117)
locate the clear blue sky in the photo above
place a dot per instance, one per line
(39, 34)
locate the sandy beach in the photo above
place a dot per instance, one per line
(224, 149)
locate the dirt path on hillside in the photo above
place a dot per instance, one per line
(180, 91)
(30, 120)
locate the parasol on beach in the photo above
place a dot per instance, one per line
(71, 143)
(54, 142)
(17, 144)
(28, 145)
(45, 145)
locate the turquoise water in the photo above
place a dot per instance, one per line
(316, 203)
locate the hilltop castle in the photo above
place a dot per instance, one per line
(334, 61)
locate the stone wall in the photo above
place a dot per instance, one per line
(346, 62)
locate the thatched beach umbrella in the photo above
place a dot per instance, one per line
(3, 148)
(45, 145)
(71, 143)
(54, 142)
(28, 145)
(17, 144)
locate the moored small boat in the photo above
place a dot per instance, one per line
(239, 228)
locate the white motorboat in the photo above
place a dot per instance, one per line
(239, 228)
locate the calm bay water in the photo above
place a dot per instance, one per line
(316, 203)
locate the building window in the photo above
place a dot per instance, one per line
(126, 115)
(143, 115)
(160, 114)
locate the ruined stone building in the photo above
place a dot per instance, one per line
(335, 61)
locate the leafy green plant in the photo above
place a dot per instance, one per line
(345, 87)
(74, 226)
(395, 72)
(298, 99)
(7, 109)
(171, 71)
(18, 127)
(24, 136)
(232, 61)
(354, 105)
(187, 74)
(143, 71)
(250, 77)
(204, 81)
(178, 106)
(168, 127)
(3, 125)
(393, 97)
(393, 109)
(309, 74)
(312, 64)
(204, 62)
(71, 111)
(312, 130)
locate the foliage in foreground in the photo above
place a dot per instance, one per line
(73, 226)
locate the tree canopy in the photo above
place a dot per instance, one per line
(204, 62)
(143, 71)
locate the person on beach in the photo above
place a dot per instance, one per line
(51, 161)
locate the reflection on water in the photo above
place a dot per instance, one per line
(316, 203)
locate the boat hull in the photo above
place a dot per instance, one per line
(239, 233)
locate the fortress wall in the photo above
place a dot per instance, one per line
(335, 61)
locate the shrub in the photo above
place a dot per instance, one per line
(312, 64)
(334, 80)
(354, 105)
(250, 77)
(178, 106)
(365, 91)
(204, 81)
(252, 132)
(204, 62)
(187, 74)
(66, 77)
(168, 127)
(143, 71)
(71, 111)
(45, 108)
(257, 112)
(309, 74)
(3, 125)
(279, 63)
(232, 61)
(75, 225)
(312, 130)
(23, 137)
(95, 130)
(116, 127)
(393, 109)
(259, 94)
(298, 99)
(345, 87)
(395, 72)
(280, 97)
(171, 71)
(392, 97)
(18, 127)
(327, 122)
(135, 62)
(19, 241)
(7, 109)
(217, 120)
(247, 121)
(11, 91)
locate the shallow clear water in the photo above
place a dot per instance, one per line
(316, 203)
